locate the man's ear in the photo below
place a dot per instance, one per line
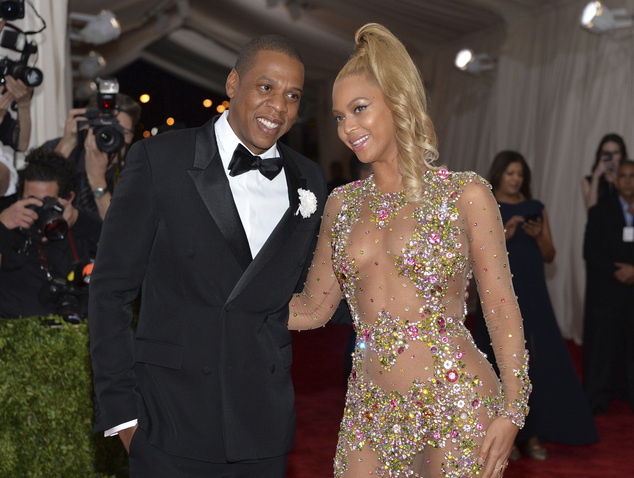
(71, 197)
(232, 83)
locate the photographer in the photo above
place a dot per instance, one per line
(43, 238)
(14, 94)
(97, 171)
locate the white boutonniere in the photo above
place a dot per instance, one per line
(307, 203)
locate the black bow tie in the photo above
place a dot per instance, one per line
(243, 161)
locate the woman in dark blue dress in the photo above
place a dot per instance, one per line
(559, 411)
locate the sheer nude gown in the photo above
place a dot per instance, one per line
(421, 395)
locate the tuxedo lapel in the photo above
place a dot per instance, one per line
(284, 228)
(212, 185)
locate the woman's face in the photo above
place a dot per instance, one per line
(511, 180)
(610, 157)
(364, 121)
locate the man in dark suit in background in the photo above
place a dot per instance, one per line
(216, 242)
(608, 338)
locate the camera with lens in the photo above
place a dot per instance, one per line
(109, 134)
(20, 70)
(12, 9)
(70, 295)
(50, 219)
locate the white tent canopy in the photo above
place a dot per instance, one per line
(555, 91)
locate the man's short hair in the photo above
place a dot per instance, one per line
(46, 165)
(130, 106)
(626, 161)
(269, 42)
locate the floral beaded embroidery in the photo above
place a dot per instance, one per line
(433, 246)
(384, 206)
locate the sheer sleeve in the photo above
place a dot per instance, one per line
(484, 228)
(318, 301)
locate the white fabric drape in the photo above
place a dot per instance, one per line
(556, 91)
(53, 97)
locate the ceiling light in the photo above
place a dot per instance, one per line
(99, 29)
(467, 61)
(597, 18)
(90, 65)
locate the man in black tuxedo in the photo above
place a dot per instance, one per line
(608, 338)
(216, 242)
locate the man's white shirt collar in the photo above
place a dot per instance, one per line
(228, 141)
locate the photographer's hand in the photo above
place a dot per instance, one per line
(70, 214)
(69, 139)
(19, 215)
(97, 163)
(22, 95)
(6, 98)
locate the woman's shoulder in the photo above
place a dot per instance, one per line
(350, 189)
(457, 183)
(534, 204)
(448, 176)
(348, 195)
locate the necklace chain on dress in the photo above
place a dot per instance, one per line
(384, 206)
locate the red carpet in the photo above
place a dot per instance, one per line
(318, 372)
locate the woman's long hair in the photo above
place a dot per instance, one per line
(383, 59)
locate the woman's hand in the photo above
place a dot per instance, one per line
(510, 226)
(497, 446)
(533, 227)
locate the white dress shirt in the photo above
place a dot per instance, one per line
(261, 202)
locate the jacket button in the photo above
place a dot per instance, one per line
(206, 370)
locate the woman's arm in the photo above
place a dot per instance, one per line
(590, 187)
(315, 305)
(483, 226)
(540, 231)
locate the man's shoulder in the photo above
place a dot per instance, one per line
(170, 138)
(604, 211)
(606, 203)
(302, 161)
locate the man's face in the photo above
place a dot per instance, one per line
(265, 99)
(40, 189)
(624, 182)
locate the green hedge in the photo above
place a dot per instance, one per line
(46, 405)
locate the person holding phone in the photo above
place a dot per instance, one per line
(609, 153)
(559, 409)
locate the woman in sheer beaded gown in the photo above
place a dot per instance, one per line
(422, 400)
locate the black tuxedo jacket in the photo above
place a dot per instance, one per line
(603, 246)
(208, 371)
